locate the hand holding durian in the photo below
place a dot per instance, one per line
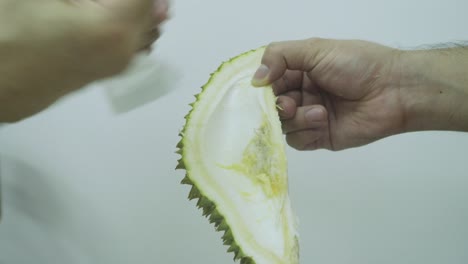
(336, 94)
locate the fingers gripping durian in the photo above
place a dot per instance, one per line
(233, 151)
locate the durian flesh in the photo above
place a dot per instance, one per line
(233, 152)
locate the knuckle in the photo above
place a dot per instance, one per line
(273, 49)
(314, 40)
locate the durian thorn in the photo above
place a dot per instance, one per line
(194, 193)
(186, 180)
(180, 144)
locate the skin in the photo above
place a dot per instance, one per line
(50, 48)
(338, 94)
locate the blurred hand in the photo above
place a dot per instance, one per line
(52, 47)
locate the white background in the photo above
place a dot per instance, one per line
(82, 184)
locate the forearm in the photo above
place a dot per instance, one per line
(434, 89)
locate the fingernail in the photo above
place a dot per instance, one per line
(314, 114)
(260, 76)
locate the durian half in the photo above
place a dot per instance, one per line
(233, 151)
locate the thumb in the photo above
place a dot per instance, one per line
(301, 55)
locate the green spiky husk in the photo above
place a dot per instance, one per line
(215, 217)
(207, 206)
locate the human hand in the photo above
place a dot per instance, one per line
(334, 94)
(50, 48)
(155, 17)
